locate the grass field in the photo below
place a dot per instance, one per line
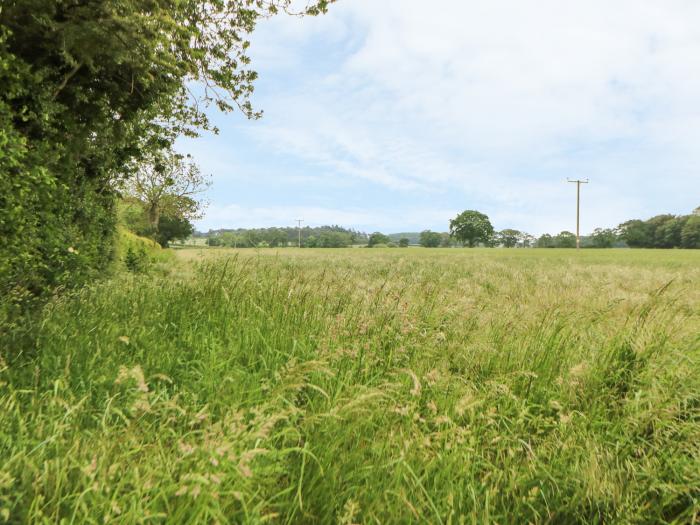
(362, 386)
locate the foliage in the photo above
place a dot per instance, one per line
(430, 239)
(472, 227)
(545, 241)
(378, 238)
(136, 260)
(603, 238)
(509, 238)
(690, 234)
(661, 231)
(167, 184)
(404, 242)
(565, 239)
(330, 239)
(368, 386)
(636, 233)
(132, 214)
(321, 236)
(173, 228)
(89, 88)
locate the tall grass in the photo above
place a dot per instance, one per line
(363, 386)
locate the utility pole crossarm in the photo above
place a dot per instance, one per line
(578, 209)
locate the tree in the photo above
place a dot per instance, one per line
(403, 242)
(333, 239)
(669, 233)
(471, 227)
(662, 234)
(173, 228)
(603, 238)
(545, 241)
(445, 240)
(565, 239)
(690, 235)
(168, 183)
(430, 239)
(509, 238)
(132, 214)
(528, 241)
(377, 238)
(89, 87)
(636, 233)
(275, 237)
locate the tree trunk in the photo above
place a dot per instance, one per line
(154, 216)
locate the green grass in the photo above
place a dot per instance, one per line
(363, 386)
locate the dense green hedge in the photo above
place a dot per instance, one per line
(86, 88)
(56, 205)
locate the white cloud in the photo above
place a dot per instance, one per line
(497, 101)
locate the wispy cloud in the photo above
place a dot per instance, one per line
(489, 105)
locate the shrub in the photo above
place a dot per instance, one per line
(136, 260)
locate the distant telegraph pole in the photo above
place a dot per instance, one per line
(578, 209)
(299, 221)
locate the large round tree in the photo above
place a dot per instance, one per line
(471, 227)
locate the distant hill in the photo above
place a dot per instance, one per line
(413, 237)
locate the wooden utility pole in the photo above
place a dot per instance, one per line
(578, 209)
(299, 221)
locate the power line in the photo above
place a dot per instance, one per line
(299, 221)
(578, 209)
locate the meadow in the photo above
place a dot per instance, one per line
(361, 386)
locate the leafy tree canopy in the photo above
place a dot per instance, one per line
(565, 239)
(167, 183)
(378, 238)
(509, 238)
(430, 239)
(471, 227)
(604, 238)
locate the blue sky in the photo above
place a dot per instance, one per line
(392, 115)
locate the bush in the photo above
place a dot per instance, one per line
(136, 260)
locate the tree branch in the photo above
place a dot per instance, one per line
(66, 79)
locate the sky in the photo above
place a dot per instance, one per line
(396, 115)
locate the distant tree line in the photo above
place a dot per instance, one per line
(663, 231)
(472, 228)
(311, 237)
